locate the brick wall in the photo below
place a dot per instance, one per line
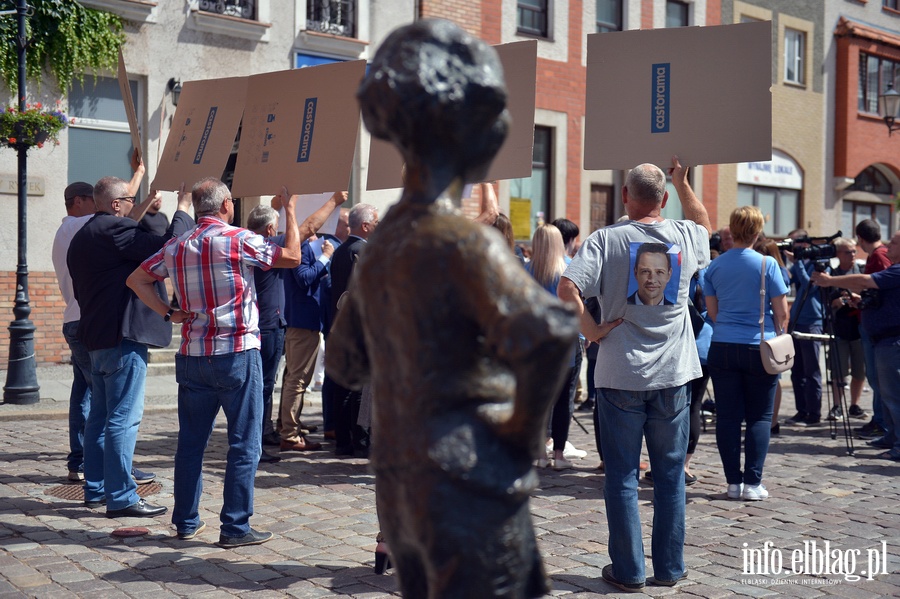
(47, 308)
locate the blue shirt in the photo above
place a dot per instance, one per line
(270, 293)
(883, 322)
(810, 312)
(733, 278)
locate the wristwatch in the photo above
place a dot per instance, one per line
(169, 314)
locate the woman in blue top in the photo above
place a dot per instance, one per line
(745, 392)
(548, 261)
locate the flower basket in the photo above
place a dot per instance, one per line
(34, 126)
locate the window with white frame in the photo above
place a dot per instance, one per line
(875, 74)
(99, 139)
(775, 187)
(853, 212)
(244, 9)
(609, 16)
(337, 17)
(794, 55)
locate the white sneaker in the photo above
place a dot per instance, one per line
(542, 462)
(734, 491)
(561, 464)
(571, 453)
(754, 492)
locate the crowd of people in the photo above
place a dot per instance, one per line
(658, 319)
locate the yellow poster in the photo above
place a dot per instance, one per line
(520, 217)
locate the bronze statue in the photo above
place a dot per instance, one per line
(454, 337)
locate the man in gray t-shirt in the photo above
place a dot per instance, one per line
(645, 362)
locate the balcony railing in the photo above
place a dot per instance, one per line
(244, 9)
(337, 17)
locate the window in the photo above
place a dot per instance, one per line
(337, 17)
(99, 140)
(780, 207)
(676, 14)
(244, 9)
(874, 75)
(892, 4)
(871, 180)
(609, 15)
(853, 212)
(533, 17)
(530, 198)
(794, 42)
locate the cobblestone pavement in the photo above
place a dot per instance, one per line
(321, 510)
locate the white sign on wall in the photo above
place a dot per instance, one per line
(781, 172)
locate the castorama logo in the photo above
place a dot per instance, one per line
(659, 119)
(306, 131)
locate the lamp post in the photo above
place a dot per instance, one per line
(21, 377)
(889, 107)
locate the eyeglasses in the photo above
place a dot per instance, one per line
(127, 199)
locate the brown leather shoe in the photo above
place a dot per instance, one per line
(303, 444)
(329, 435)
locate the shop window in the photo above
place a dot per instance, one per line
(871, 180)
(875, 73)
(676, 13)
(609, 16)
(530, 198)
(853, 212)
(780, 207)
(99, 139)
(533, 17)
(794, 53)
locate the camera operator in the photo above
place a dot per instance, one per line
(847, 344)
(881, 321)
(806, 317)
(868, 232)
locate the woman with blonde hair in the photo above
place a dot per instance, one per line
(745, 392)
(548, 261)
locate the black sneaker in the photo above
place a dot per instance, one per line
(835, 413)
(870, 431)
(628, 587)
(857, 412)
(797, 419)
(254, 537)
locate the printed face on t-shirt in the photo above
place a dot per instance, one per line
(652, 272)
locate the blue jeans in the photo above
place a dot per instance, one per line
(232, 382)
(270, 353)
(662, 417)
(806, 376)
(79, 397)
(872, 376)
(745, 392)
(887, 361)
(117, 404)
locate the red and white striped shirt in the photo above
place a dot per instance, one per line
(211, 268)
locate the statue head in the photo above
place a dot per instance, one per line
(438, 94)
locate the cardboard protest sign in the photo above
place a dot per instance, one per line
(309, 203)
(514, 159)
(204, 126)
(300, 128)
(125, 88)
(701, 93)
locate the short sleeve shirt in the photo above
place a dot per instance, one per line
(211, 268)
(654, 347)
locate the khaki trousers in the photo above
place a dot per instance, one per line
(300, 349)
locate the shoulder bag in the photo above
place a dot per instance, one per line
(778, 352)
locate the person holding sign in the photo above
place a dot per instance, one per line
(645, 393)
(219, 363)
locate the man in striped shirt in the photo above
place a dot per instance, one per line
(219, 364)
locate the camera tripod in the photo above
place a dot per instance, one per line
(833, 363)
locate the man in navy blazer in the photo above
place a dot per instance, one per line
(116, 328)
(304, 314)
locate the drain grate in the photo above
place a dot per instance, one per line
(76, 492)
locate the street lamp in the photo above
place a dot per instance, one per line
(889, 107)
(21, 376)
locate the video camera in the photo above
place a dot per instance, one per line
(819, 249)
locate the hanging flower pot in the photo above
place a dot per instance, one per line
(33, 126)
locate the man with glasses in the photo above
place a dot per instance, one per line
(116, 328)
(219, 363)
